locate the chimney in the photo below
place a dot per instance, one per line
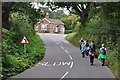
(47, 16)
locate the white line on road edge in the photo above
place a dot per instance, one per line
(57, 43)
(62, 47)
(64, 75)
(66, 51)
(71, 64)
(70, 57)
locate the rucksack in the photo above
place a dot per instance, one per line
(87, 46)
(103, 51)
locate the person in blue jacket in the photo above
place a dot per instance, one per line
(102, 54)
(83, 48)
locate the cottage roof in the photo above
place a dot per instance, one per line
(55, 21)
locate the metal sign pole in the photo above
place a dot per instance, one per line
(25, 48)
(24, 42)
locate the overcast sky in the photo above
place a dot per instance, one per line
(37, 6)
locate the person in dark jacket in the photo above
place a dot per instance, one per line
(87, 48)
(92, 52)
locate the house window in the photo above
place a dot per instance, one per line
(44, 27)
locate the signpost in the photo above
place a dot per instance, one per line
(24, 41)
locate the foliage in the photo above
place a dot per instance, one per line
(102, 27)
(70, 21)
(14, 59)
(21, 7)
(60, 13)
(68, 31)
(47, 31)
(77, 27)
(79, 8)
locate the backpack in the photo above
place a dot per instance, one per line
(103, 51)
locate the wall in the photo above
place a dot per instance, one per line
(61, 29)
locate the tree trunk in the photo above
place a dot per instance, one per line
(5, 19)
(84, 16)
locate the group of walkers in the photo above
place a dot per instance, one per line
(89, 49)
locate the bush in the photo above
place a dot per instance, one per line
(47, 31)
(68, 31)
(14, 60)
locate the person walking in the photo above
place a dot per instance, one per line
(81, 41)
(87, 48)
(102, 54)
(83, 47)
(92, 52)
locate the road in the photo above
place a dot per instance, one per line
(63, 60)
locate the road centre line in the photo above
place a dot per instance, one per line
(57, 43)
(64, 75)
(70, 57)
(62, 47)
(71, 64)
(66, 51)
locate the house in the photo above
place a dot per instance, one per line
(51, 25)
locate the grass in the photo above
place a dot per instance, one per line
(73, 38)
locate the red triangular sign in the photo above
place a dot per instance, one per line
(24, 40)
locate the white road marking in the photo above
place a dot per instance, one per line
(47, 64)
(62, 47)
(44, 64)
(66, 51)
(57, 43)
(70, 57)
(71, 64)
(56, 64)
(64, 75)
(41, 64)
(66, 63)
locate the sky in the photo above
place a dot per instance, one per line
(35, 5)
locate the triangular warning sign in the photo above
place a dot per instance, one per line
(24, 40)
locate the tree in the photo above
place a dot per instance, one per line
(8, 7)
(70, 21)
(79, 8)
(58, 12)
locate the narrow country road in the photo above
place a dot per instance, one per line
(63, 60)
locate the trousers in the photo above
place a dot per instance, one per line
(91, 59)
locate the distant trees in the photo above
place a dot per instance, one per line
(58, 14)
(70, 21)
